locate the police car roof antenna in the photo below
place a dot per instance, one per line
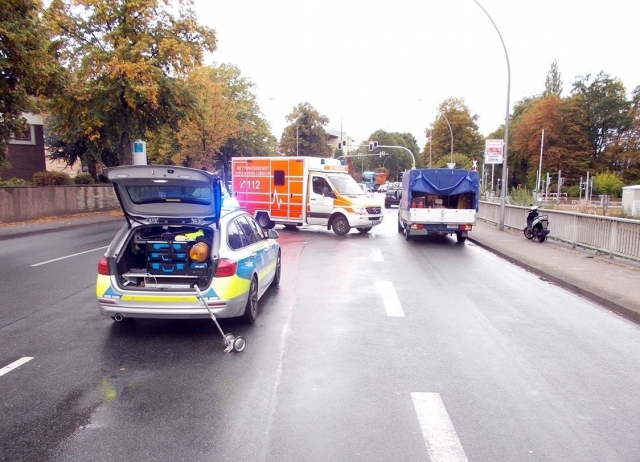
(230, 341)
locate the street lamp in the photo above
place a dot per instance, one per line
(506, 123)
(450, 131)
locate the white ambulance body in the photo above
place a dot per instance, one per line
(294, 191)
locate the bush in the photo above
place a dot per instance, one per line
(573, 191)
(15, 182)
(51, 179)
(520, 196)
(83, 178)
(608, 183)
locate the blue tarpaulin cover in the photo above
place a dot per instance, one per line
(440, 181)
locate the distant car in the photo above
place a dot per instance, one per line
(392, 196)
(382, 188)
(178, 235)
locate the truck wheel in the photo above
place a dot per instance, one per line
(264, 221)
(386, 205)
(340, 226)
(407, 234)
(460, 237)
(400, 228)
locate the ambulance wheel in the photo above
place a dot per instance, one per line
(364, 230)
(460, 237)
(340, 226)
(264, 221)
(251, 310)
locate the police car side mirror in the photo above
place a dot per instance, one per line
(272, 234)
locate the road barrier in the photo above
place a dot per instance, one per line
(618, 237)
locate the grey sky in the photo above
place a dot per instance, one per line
(388, 65)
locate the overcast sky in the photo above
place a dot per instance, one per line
(370, 65)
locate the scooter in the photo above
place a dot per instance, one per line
(537, 225)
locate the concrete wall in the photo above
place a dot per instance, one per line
(27, 203)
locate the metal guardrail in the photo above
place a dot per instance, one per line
(618, 237)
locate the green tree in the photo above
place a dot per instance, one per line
(126, 57)
(397, 160)
(606, 110)
(306, 136)
(553, 83)
(29, 68)
(467, 140)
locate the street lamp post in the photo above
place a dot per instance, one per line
(451, 132)
(506, 122)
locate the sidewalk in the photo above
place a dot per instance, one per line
(612, 283)
(12, 230)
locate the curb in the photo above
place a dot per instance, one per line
(17, 232)
(606, 303)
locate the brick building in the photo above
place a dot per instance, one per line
(27, 155)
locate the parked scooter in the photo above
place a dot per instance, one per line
(537, 225)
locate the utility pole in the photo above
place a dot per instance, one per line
(540, 166)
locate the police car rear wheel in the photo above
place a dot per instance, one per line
(276, 278)
(251, 310)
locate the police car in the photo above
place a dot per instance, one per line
(177, 237)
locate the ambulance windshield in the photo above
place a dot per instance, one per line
(345, 184)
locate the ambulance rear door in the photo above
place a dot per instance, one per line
(286, 190)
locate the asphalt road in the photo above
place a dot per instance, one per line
(372, 348)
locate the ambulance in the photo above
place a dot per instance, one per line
(296, 191)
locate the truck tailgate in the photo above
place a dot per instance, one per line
(444, 216)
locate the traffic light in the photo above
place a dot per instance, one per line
(342, 144)
(373, 145)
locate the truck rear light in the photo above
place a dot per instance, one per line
(417, 226)
(226, 268)
(464, 227)
(103, 267)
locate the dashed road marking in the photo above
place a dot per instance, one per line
(390, 299)
(441, 438)
(15, 364)
(376, 255)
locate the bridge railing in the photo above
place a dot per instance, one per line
(614, 236)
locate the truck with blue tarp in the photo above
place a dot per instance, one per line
(439, 201)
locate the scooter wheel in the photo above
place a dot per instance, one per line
(528, 233)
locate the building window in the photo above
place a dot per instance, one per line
(29, 137)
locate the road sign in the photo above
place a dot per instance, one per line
(493, 151)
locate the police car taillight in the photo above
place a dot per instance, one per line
(226, 268)
(103, 267)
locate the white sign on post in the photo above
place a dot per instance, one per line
(493, 151)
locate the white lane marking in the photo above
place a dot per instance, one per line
(69, 256)
(390, 299)
(442, 440)
(15, 365)
(376, 255)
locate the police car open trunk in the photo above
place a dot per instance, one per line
(171, 241)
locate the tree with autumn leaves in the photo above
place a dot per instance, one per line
(594, 129)
(126, 59)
